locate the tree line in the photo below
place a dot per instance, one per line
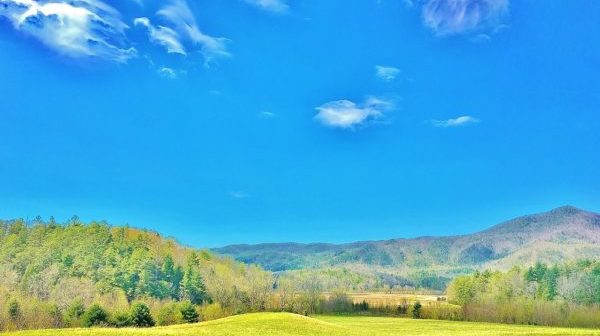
(567, 294)
(75, 274)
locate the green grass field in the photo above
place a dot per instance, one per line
(269, 324)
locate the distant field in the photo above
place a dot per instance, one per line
(394, 299)
(283, 324)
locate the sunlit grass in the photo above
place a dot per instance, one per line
(270, 324)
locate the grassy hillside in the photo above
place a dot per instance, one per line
(561, 234)
(283, 324)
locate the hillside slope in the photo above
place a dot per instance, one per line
(284, 324)
(560, 234)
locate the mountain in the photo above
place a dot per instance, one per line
(554, 236)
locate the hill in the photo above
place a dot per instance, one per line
(52, 272)
(557, 235)
(283, 324)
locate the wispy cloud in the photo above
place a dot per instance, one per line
(456, 122)
(387, 73)
(168, 73)
(180, 32)
(164, 36)
(273, 6)
(347, 114)
(451, 17)
(84, 28)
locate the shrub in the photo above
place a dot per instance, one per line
(213, 311)
(95, 316)
(14, 310)
(55, 316)
(170, 314)
(188, 312)
(416, 311)
(140, 315)
(121, 320)
(76, 309)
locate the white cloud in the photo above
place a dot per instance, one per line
(273, 6)
(179, 15)
(164, 36)
(83, 28)
(347, 114)
(168, 73)
(387, 73)
(460, 121)
(451, 17)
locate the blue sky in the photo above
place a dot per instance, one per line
(244, 121)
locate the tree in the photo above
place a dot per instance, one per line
(550, 283)
(171, 276)
(14, 310)
(416, 311)
(189, 313)
(192, 284)
(140, 315)
(462, 290)
(95, 316)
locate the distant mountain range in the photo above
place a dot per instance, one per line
(561, 234)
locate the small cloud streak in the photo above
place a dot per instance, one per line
(453, 17)
(347, 114)
(267, 115)
(273, 6)
(456, 122)
(238, 194)
(168, 73)
(387, 73)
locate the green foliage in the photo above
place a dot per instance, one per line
(189, 312)
(95, 316)
(564, 294)
(121, 320)
(14, 310)
(416, 310)
(170, 314)
(462, 290)
(76, 309)
(140, 315)
(192, 284)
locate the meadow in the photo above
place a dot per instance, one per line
(285, 324)
(395, 299)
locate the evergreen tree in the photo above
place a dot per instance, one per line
(189, 313)
(95, 316)
(416, 311)
(192, 285)
(140, 315)
(14, 310)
